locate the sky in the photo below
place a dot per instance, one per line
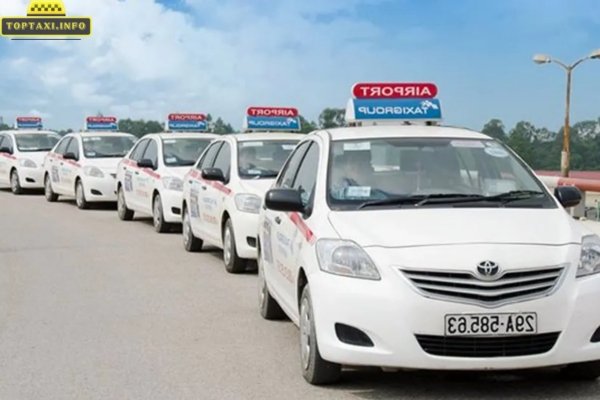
(148, 58)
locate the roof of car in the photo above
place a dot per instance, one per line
(27, 131)
(101, 133)
(183, 135)
(242, 137)
(403, 131)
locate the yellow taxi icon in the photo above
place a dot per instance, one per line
(46, 8)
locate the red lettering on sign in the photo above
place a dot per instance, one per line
(272, 112)
(394, 90)
(29, 119)
(187, 117)
(101, 120)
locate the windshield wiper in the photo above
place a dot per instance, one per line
(502, 198)
(417, 199)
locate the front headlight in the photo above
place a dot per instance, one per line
(27, 163)
(172, 183)
(94, 172)
(346, 258)
(589, 262)
(249, 203)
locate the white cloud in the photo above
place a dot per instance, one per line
(145, 60)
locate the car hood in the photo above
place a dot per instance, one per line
(105, 164)
(430, 227)
(35, 156)
(258, 187)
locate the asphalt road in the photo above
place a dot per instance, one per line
(95, 308)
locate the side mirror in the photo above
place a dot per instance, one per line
(70, 156)
(5, 150)
(146, 163)
(286, 200)
(213, 174)
(568, 196)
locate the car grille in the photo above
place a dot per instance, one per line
(474, 347)
(467, 287)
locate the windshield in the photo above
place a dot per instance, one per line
(35, 142)
(183, 152)
(399, 172)
(107, 146)
(263, 158)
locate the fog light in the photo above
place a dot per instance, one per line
(350, 335)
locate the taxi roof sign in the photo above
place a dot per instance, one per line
(179, 122)
(269, 119)
(28, 123)
(390, 103)
(101, 123)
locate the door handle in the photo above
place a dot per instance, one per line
(190, 182)
(137, 172)
(203, 187)
(62, 163)
(277, 220)
(124, 168)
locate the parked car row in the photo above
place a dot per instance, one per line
(393, 242)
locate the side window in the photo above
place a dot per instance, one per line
(7, 142)
(73, 147)
(1, 140)
(62, 146)
(291, 166)
(223, 160)
(209, 156)
(306, 178)
(136, 154)
(151, 153)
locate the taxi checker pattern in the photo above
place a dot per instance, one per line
(366, 278)
(40, 8)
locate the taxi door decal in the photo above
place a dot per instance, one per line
(302, 227)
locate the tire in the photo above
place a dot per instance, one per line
(125, 214)
(269, 308)
(190, 242)
(48, 192)
(80, 200)
(233, 263)
(587, 371)
(315, 370)
(15, 185)
(158, 217)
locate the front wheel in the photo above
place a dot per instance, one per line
(587, 371)
(158, 217)
(269, 308)
(190, 242)
(233, 263)
(15, 184)
(125, 214)
(315, 370)
(48, 191)
(80, 200)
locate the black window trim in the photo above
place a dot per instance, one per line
(143, 143)
(306, 144)
(216, 143)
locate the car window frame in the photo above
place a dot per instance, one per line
(301, 147)
(226, 174)
(66, 140)
(143, 143)
(216, 144)
(156, 160)
(309, 206)
(78, 152)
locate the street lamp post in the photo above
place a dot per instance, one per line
(566, 150)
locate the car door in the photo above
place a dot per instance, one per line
(4, 168)
(275, 244)
(144, 179)
(198, 190)
(69, 169)
(128, 170)
(217, 193)
(53, 160)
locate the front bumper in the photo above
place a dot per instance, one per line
(245, 226)
(172, 202)
(31, 178)
(391, 312)
(100, 189)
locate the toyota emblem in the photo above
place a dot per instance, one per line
(488, 269)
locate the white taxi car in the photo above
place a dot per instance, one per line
(150, 177)
(84, 165)
(22, 155)
(223, 192)
(426, 247)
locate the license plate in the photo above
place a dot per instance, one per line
(491, 324)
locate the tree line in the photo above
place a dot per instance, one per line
(539, 147)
